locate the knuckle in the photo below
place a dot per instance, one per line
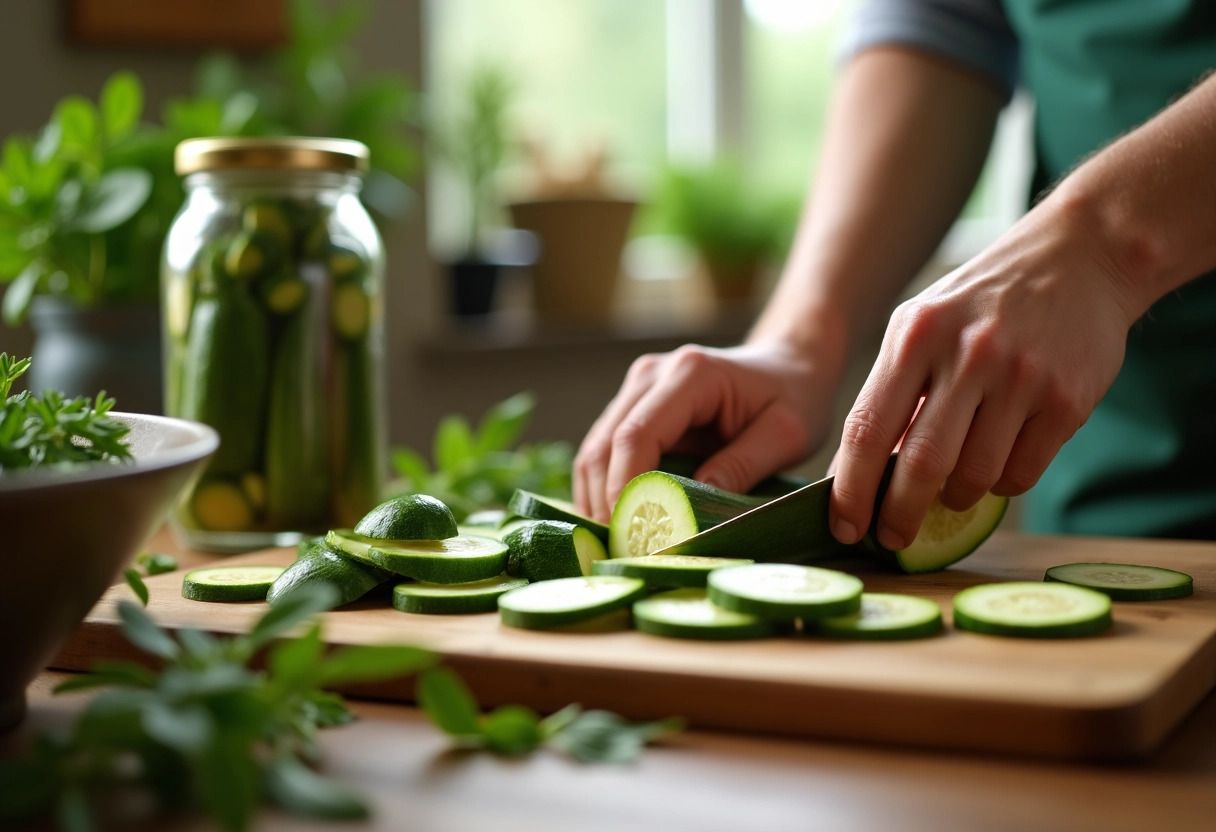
(981, 348)
(975, 475)
(924, 459)
(643, 367)
(1017, 479)
(917, 321)
(628, 435)
(689, 359)
(734, 471)
(863, 431)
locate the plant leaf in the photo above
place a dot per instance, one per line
(299, 606)
(504, 423)
(299, 789)
(143, 632)
(373, 663)
(122, 102)
(77, 120)
(295, 663)
(110, 673)
(604, 737)
(187, 728)
(112, 201)
(453, 444)
(448, 702)
(412, 466)
(21, 292)
(512, 730)
(330, 708)
(229, 781)
(156, 563)
(137, 584)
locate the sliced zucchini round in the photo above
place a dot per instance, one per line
(567, 601)
(538, 507)
(666, 570)
(454, 599)
(688, 613)
(1032, 610)
(456, 560)
(409, 517)
(229, 583)
(886, 616)
(784, 591)
(1125, 581)
(657, 510)
(945, 536)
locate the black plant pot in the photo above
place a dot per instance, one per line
(79, 351)
(474, 283)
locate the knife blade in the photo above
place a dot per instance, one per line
(801, 521)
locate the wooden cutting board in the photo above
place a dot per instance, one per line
(1112, 696)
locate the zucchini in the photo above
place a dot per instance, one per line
(666, 570)
(319, 563)
(249, 256)
(409, 517)
(567, 601)
(538, 507)
(344, 263)
(350, 311)
(225, 383)
(688, 613)
(785, 591)
(945, 536)
(1032, 610)
(1125, 581)
(296, 465)
(283, 293)
(656, 510)
(456, 560)
(886, 616)
(220, 506)
(545, 550)
(454, 599)
(229, 583)
(266, 218)
(357, 462)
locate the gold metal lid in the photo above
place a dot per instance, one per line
(287, 153)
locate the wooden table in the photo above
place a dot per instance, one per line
(705, 781)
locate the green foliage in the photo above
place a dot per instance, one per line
(207, 730)
(477, 469)
(513, 730)
(717, 211)
(476, 144)
(65, 194)
(54, 432)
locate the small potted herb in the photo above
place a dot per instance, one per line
(735, 229)
(474, 147)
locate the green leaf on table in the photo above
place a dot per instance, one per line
(453, 444)
(504, 423)
(301, 605)
(143, 632)
(329, 708)
(448, 702)
(299, 789)
(558, 720)
(512, 730)
(122, 102)
(605, 737)
(106, 673)
(137, 584)
(184, 728)
(156, 563)
(113, 200)
(229, 781)
(373, 663)
(295, 663)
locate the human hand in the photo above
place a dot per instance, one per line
(1005, 358)
(756, 408)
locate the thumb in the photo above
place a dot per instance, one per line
(775, 439)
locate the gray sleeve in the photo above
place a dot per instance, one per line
(974, 33)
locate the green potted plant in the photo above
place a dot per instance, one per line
(474, 147)
(735, 229)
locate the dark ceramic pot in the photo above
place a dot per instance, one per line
(81, 350)
(474, 284)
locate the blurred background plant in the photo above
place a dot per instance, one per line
(734, 227)
(480, 469)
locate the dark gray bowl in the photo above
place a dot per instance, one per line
(66, 537)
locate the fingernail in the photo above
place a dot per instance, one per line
(845, 531)
(890, 539)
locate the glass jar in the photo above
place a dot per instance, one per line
(271, 291)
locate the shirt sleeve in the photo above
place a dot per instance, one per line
(974, 33)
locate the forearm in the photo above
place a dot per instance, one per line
(1150, 199)
(906, 139)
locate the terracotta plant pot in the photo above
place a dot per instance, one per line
(581, 240)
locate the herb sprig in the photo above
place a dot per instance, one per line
(209, 731)
(54, 431)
